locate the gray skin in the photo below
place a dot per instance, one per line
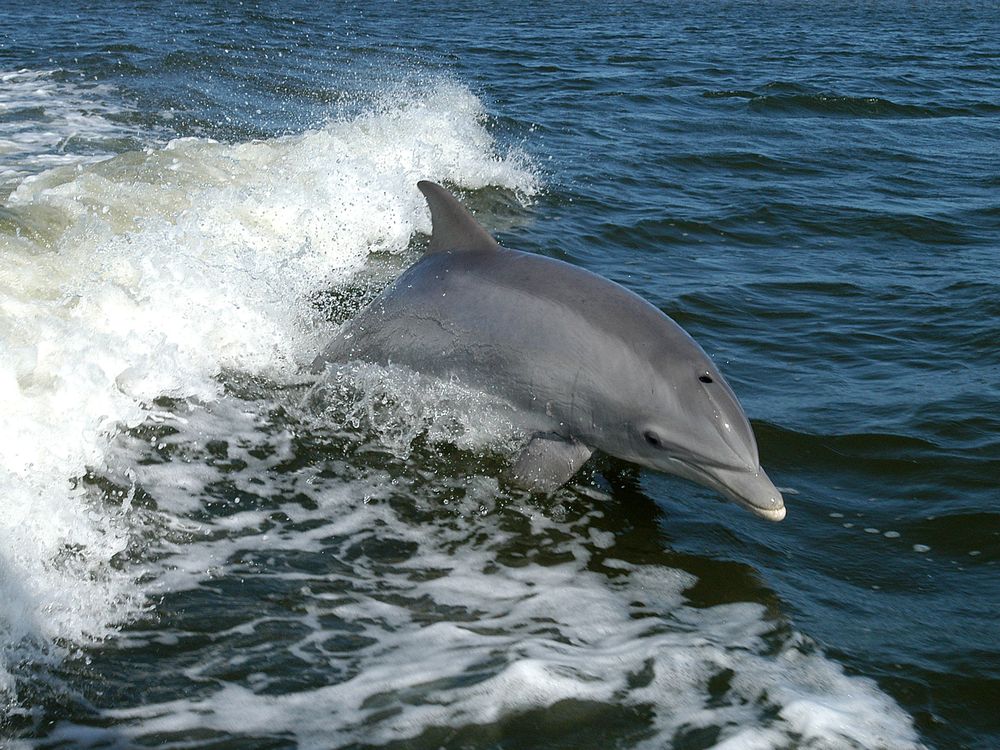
(586, 363)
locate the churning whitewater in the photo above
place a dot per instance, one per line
(149, 274)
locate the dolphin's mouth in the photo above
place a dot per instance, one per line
(752, 489)
(776, 513)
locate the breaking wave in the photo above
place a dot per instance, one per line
(145, 276)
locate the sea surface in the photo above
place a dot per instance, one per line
(202, 546)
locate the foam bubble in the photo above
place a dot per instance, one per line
(416, 618)
(397, 405)
(47, 121)
(149, 274)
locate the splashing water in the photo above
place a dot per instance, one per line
(147, 275)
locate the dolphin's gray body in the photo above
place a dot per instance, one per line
(588, 364)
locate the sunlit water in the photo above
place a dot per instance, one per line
(201, 546)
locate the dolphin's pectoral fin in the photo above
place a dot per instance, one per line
(548, 462)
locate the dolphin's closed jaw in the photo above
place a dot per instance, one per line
(751, 489)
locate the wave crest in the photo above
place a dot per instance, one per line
(150, 273)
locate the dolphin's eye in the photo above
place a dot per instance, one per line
(705, 378)
(652, 439)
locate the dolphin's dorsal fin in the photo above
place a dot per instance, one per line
(452, 226)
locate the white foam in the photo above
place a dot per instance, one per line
(449, 636)
(46, 121)
(396, 405)
(149, 274)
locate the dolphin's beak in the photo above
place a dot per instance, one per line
(751, 489)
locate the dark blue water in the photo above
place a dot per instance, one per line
(189, 556)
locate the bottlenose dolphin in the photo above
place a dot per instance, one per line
(587, 363)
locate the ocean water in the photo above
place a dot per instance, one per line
(203, 547)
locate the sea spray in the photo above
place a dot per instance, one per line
(146, 275)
